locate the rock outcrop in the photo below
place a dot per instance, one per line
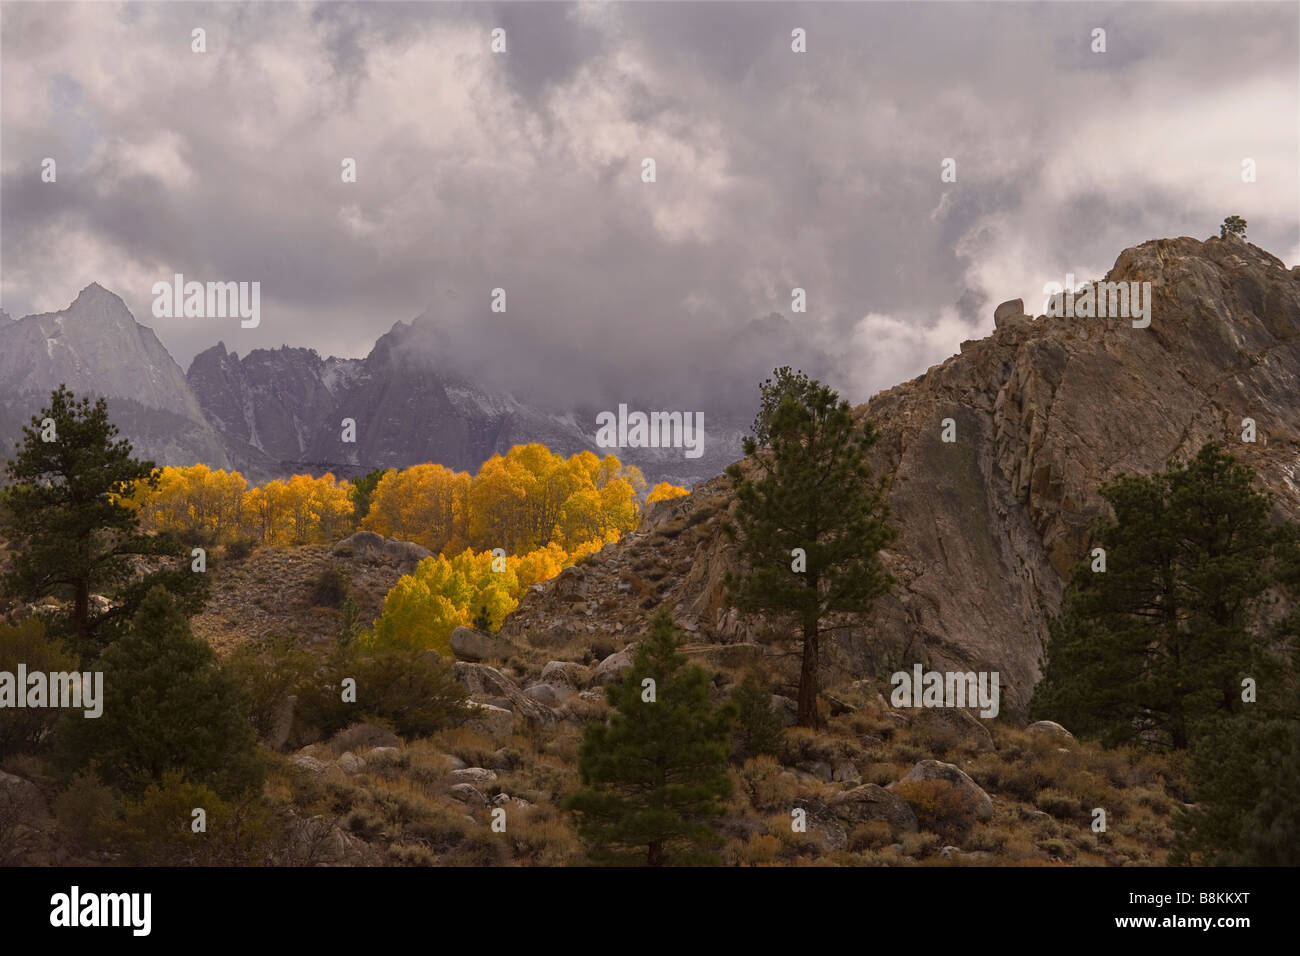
(1046, 411)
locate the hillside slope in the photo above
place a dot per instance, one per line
(1046, 410)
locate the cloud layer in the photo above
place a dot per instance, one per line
(522, 171)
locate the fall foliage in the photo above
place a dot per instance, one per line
(520, 501)
(663, 491)
(219, 506)
(544, 511)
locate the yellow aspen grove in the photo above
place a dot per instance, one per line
(544, 510)
(663, 491)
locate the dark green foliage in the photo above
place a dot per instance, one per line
(1246, 777)
(758, 724)
(166, 706)
(482, 622)
(654, 773)
(412, 690)
(23, 730)
(157, 829)
(1233, 224)
(73, 534)
(363, 490)
(240, 548)
(1161, 640)
(806, 484)
(268, 673)
(351, 621)
(330, 588)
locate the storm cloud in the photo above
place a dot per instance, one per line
(522, 171)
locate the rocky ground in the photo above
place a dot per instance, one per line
(269, 593)
(1014, 796)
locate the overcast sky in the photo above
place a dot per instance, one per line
(522, 170)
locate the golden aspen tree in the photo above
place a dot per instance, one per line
(664, 491)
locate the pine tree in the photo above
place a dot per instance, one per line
(1234, 225)
(75, 533)
(1246, 775)
(1159, 641)
(166, 706)
(654, 773)
(363, 492)
(806, 485)
(758, 724)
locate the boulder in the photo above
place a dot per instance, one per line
(474, 775)
(349, 762)
(20, 800)
(469, 644)
(487, 682)
(1011, 312)
(489, 720)
(543, 694)
(958, 722)
(369, 546)
(788, 708)
(846, 772)
(615, 666)
(1049, 727)
(938, 770)
(317, 842)
(467, 793)
(382, 755)
(308, 763)
(289, 731)
(565, 676)
(871, 802)
(571, 583)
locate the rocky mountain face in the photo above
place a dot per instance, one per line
(277, 412)
(95, 346)
(1046, 411)
(282, 410)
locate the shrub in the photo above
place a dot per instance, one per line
(23, 730)
(1058, 804)
(158, 829)
(759, 850)
(871, 835)
(85, 807)
(940, 807)
(412, 690)
(767, 788)
(268, 673)
(363, 736)
(240, 548)
(330, 588)
(758, 725)
(405, 854)
(919, 844)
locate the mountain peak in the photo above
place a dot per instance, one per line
(97, 293)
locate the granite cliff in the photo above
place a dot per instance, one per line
(1046, 410)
